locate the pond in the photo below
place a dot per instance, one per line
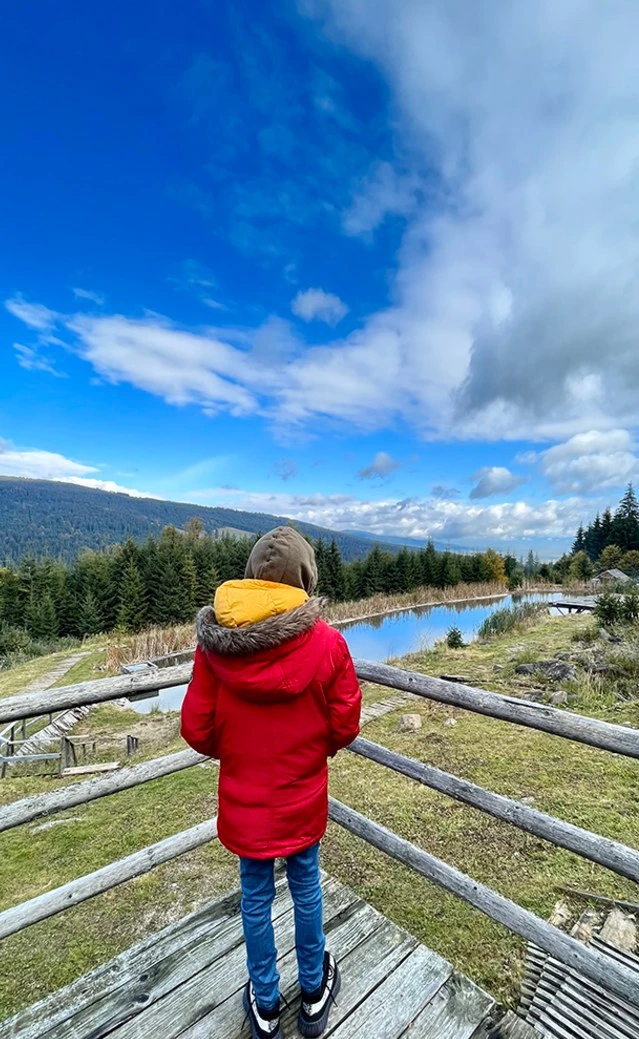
(387, 636)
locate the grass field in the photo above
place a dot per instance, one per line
(587, 787)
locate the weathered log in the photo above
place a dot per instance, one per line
(609, 853)
(101, 690)
(52, 902)
(604, 735)
(39, 805)
(594, 965)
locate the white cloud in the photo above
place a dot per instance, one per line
(34, 315)
(515, 312)
(494, 479)
(182, 367)
(317, 305)
(444, 520)
(382, 465)
(30, 359)
(382, 193)
(37, 464)
(93, 297)
(591, 462)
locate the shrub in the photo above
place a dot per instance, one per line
(630, 605)
(608, 609)
(454, 638)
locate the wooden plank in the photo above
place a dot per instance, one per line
(165, 967)
(599, 968)
(100, 690)
(85, 770)
(395, 1004)
(52, 902)
(609, 853)
(174, 1013)
(368, 948)
(604, 735)
(39, 805)
(48, 1015)
(125, 970)
(455, 1012)
(512, 1027)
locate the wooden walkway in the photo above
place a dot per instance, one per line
(187, 980)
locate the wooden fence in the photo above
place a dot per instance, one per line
(615, 856)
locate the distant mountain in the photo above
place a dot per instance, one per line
(46, 518)
(388, 541)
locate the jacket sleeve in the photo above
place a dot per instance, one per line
(344, 699)
(198, 708)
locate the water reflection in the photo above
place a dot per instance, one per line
(388, 636)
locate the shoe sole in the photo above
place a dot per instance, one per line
(255, 1035)
(312, 1031)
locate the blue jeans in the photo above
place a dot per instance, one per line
(258, 892)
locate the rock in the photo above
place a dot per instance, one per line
(450, 722)
(410, 723)
(620, 930)
(527, 800)
(534, 695)
(559, 699)
(498, 667)
(553, 670)
(563, 656)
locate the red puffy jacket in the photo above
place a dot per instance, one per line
(272, 700)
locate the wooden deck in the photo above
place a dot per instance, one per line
(187, 980)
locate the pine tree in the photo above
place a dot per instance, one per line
(430, 566)
(610, 558)
(579, 543)
(335, 571)
(189, 584)
(593, 539)
(208, 581)
(41, 620)
(374, 572)
(89, 620)
(606, 529)
(449, 571)
(625, 525)
(132, 612)
(324, 584)
(581, 569)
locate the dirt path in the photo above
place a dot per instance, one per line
(61, 724)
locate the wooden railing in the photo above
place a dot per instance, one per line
(615, 856)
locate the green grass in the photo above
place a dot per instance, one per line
(590, 788)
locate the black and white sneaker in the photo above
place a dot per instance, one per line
(313, 1017)
(265, 1024)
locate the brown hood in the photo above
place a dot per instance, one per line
(255, 638)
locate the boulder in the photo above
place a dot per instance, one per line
(559, 699)
(553, 670)
(410, 723)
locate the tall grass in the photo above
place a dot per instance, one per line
(511, 618)
(383, 603)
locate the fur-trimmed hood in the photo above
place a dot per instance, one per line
(255, 638)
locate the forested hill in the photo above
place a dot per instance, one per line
(46, 518)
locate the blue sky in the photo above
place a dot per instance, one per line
(366, 263)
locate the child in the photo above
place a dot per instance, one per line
(273, 695)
